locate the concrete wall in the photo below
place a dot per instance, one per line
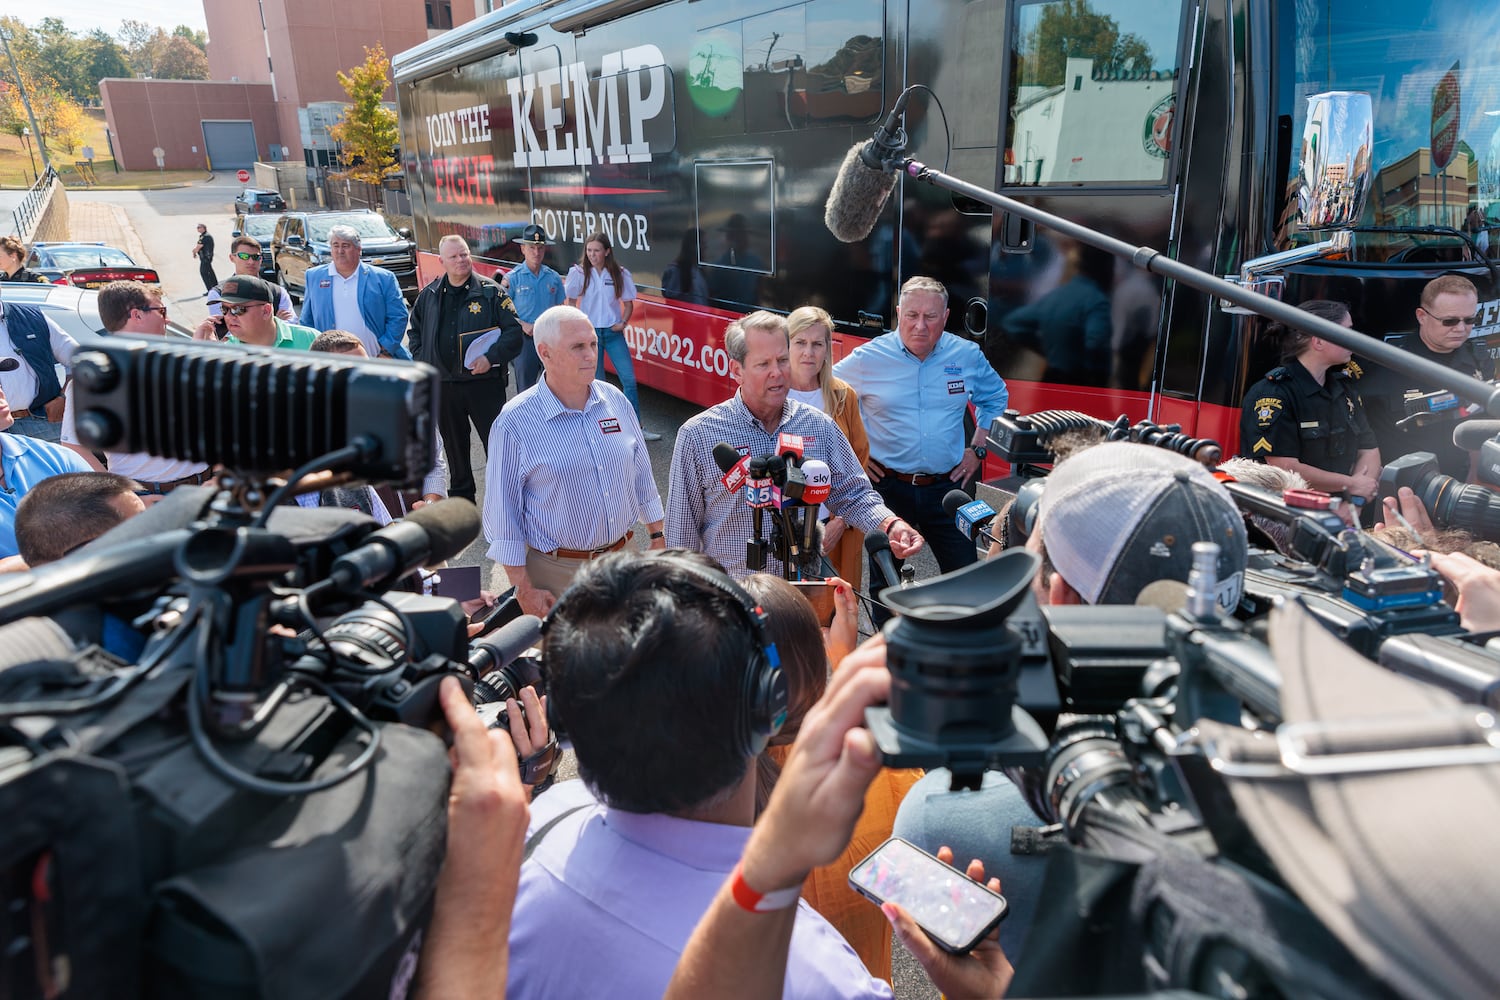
(144, 114)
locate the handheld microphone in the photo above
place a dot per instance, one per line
(973, 517)
(817, 479)
(732, 464)
(1471, 434)
(864, 184)
(878, 546)
(493, 651)
(790, 447)
(758, 494)
(429, 535)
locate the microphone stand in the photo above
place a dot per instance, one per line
(1470, 388)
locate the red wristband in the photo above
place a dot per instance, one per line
(757, 902)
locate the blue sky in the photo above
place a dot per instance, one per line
(86, 15)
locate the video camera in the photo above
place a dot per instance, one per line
(221, 758)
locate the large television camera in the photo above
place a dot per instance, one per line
(222, 772)
(1186, 762)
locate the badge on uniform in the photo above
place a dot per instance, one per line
(474, 308)
(1266, 409)
(956, 387)
(609, 426)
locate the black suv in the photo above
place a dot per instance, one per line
(259, 228)
(257, 200)
(301, 242)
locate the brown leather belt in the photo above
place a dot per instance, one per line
(163, 489)
(20, 414)
(920, 478)
(589, 553)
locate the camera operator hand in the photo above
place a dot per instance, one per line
(528, 728)
(808, 822)
(1478, 589)
(1406, 505)
(466, 943)
(984, 972)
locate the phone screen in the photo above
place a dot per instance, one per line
(952, 908)
(820, 596)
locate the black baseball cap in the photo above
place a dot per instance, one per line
(243, 288)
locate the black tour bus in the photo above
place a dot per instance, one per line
(712, 131)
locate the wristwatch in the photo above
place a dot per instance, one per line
(980, 451)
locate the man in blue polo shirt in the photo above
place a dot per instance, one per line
(24, 462)
(534, 288)
(914, 387)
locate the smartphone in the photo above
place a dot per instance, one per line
(820, 596)
(954, 910)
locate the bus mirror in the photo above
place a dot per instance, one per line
(1334, 164)
(976, 317)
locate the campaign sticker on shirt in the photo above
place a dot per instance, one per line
(956, 387)
(325, 283)
(610, 425)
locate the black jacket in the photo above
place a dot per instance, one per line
(494, 309)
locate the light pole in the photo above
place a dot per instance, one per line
(26, 141)
(26, 100)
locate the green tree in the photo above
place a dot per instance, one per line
(138, 40)
(103, 58)
(179, 59)
(1073, 29)
(197, 36)
(367, 133)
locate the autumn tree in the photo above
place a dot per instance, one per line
(1071, 29)
(367, 133)
(177, 58)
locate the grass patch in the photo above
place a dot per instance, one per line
(16, 167)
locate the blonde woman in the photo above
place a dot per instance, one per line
(813, 383)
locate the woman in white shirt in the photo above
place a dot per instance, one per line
(605, 292)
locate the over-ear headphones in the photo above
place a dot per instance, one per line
(763, 696)
(762, 707)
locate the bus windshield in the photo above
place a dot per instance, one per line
(1433, 75)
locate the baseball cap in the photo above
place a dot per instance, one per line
(244, 288)
(1120, 516)
(533, 236)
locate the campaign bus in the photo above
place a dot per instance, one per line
(704, 136)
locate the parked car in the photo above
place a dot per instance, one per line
(261, 228)
(255, 200)
(76, 310)
(86, 265)
(301, 242)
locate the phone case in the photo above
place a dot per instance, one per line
(886, 884)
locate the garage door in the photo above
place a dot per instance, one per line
(230, 145)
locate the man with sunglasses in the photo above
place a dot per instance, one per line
(131, 308)
(1445, 324)
(249, 304)
(244, 254)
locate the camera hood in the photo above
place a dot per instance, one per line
(979, 596)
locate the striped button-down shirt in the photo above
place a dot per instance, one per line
(702, 515)
(561, 478)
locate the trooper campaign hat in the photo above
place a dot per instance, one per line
(533, 236)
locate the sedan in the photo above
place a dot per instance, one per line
(73, 309)
(86, 265)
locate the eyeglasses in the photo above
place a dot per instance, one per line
(1455, 320)
(242, 255)
(155, 309)
(241, 310)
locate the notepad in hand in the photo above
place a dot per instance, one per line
(476, 343)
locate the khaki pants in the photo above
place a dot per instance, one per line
(550, 573)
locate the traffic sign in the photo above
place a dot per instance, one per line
(242, 176)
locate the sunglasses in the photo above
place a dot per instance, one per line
(1455, 320)
(241, 310)
(242, 255)
(156, 309)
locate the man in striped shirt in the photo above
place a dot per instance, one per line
(703, 515)
(568, 475)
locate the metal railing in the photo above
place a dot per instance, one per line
(37, 216)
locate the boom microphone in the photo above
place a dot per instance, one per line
(865, 180)
(428, 535)
(493, 651)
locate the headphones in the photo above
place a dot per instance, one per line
(762, 707)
